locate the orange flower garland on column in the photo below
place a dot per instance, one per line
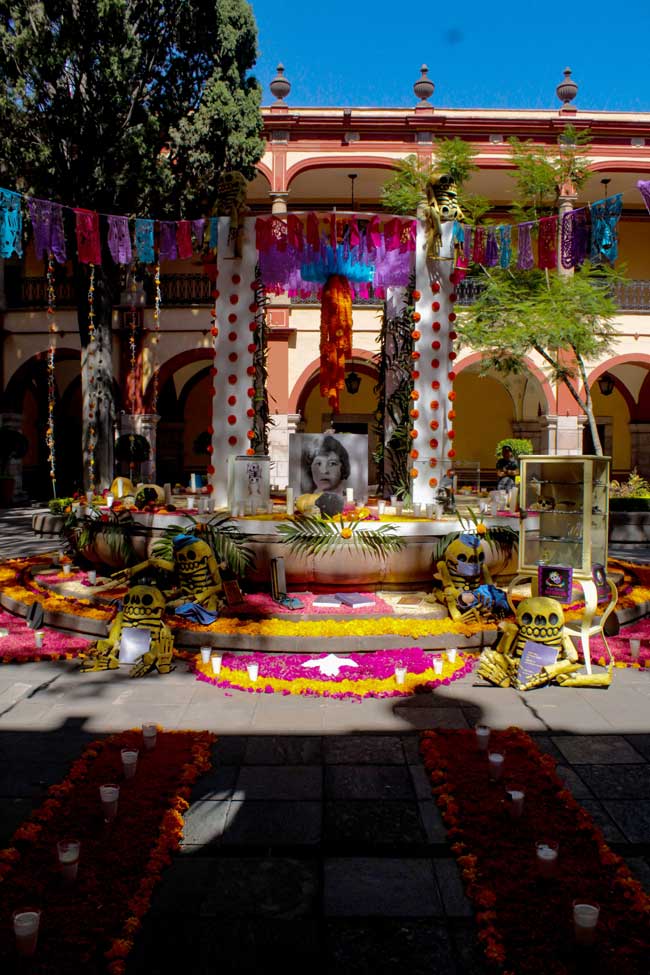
(335, 337)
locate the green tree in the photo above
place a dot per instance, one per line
(568, 321)
(127, 107)
(540, 176)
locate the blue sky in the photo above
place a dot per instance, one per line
(479, 54)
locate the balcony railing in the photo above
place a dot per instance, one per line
(185, 290)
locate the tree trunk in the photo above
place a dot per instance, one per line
(96, 376)
(593, 429)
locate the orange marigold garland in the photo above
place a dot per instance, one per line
(335, 337)
(525, 922)
(90, 926)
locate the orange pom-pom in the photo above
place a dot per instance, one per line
(433, 482)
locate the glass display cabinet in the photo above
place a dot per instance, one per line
(564, 509)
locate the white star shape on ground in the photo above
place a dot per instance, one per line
(330, 665)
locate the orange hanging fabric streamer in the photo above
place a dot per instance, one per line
(335, 337)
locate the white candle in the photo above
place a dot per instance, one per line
(495, 764)
(547, 854)
(482, 737)
(451, 655)
(92, 577)
(431, 510)
(381, 507)
(38, 637)
(66, 568)
(399, 505)
(585, 922)
(253, 671)
(289, 500)
(635, 646)
(417, 509)
(206, 653)
(109, 500)
(216, 663)
(516, 802)
(129, 762)
(4, 631)
(400, 674)
(68, 854)
(349, 494)
(393, 500)
(26, 924)
(437, 665)
(109, 795)
(149, 736)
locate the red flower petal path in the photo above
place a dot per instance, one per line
(89, 927)
(525, 923)
(19, 645)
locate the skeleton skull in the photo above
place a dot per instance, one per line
(464, 557)
(142, 604)
(540, 619)
(191, 556)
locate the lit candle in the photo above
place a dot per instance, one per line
(253, 671)
(109, 795)
(26, 923)
(437, 665)
(39, 636)
(482, 737)
(400, 674)
(495, 764)
(516, 797)
(585, 922)
(547, 854)
(149, 736)
(206, 653)
(216, 663)
(289, 500)
(68, 855)
(451, 655)
(129, 762)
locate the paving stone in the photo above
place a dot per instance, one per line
(283, 750)
(30, 780)
(547, 745)
(273, 823)
(229, 749)
(604, 822)
(363, 750)
(573, 782)
(13, 812)
(184, 885)
(275, 782)
(617, 781)
(411, 746)
(218, 783)
(470, 959)
(425, 719)
(262, 888)
(641, 744)
(421, 781)
(371, 823)
(205, 822)
(632, 817)
(451, 888)
(418, 946)
(367, 782)
(597, 750)
(432, 821)
(388, 887)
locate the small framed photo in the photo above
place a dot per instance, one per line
(232, 592)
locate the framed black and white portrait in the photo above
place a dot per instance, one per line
(332, 462)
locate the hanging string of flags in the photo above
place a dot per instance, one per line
(300, 252)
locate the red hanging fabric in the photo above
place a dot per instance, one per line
(313, 235)
(547, 243)
(295, 232)
(184, 239)
(478, 251)
(89, 248)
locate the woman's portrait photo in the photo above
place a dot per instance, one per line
(329, 462)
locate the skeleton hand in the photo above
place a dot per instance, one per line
(494, 668)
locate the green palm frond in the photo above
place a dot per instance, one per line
(503, 538)
(315, 536)
(226, 541)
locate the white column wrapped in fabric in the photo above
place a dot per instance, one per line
(434, 366)
(234, 350)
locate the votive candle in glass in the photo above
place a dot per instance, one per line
(516, 802)
(109, 795)
(129, 761)
(253, 671)
(437, 665)
(496, 762)
(26, 923)
(215, 660)
(585, 922)
(451, 655)
(547, 854)
(206, 653)
(482, 737)
(149, 736)
(92, 577)
(39, 636)
(68, 855)
(400, 674)
(635, 647)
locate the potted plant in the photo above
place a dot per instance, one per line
(13, 446)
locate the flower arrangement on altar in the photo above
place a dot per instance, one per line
(307, 535)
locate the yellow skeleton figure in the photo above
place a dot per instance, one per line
(541, 620)
(142, 608)
(442, 205)
(196, 571)
(467, 588)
